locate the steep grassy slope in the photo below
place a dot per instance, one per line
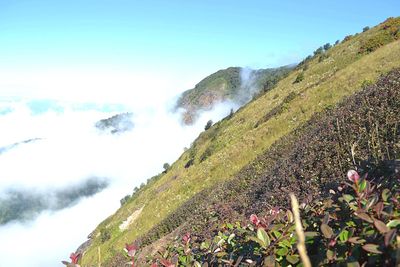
(220, 152)
(234, 84)
(362, 133)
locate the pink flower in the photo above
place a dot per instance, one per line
(131, 249)
(254, 220)
(353, 176)
(332, 243)
(186, 238)
(274, 211)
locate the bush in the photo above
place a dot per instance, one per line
(357, 226)
(388, 32)
(327, 46)
(166, 167)
(365, 29)
(105, 235)
(319, 51)
(347, 38)
(375, 42)
(299, 77)
(124, 199)
(208, 125)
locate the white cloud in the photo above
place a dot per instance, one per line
(72, 150)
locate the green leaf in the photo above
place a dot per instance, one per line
(353, 264)
(269, 261)
(311, 234)
(263, 236)
(257, 240)
(326, 230)
(330, 254)
(344, 235)
(385, 194)
(293, 259)
(277, 234)
(282, 251)
(393, 223)
(364, 216)
(285, 243)
(372, 248)
(381, 226)
(230, 238)
(348, 197)
(230, 226)
(362, 185)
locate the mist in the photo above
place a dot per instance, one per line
(51, 148)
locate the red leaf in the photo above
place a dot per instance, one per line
(381, 226)
(167, 263)
(364, 216)
(372, 248)
(389, 237)
(326, 230)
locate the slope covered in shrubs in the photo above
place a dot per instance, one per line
(362, 133)
(237, 147)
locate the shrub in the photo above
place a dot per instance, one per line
(124, 200)
(327, 46)
(375, 42)
(365, 29)
(105, 235)
(166, 166)
(347, 38)
(388, 32)
(319, 51)
(208, 125)
(357, 226)
(299, 77)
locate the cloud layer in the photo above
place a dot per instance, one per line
(70, 150)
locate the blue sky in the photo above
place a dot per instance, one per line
(189, 37)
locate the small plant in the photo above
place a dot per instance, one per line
(131, 250)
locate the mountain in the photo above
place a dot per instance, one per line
(118, 123)
(337, 110)
(26, 204)
(235, 84)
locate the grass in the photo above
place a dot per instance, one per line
(237, 142)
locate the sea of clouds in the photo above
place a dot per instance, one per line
(58, 109)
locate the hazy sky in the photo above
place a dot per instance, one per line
(182, 35)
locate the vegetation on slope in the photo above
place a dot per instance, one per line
(356, 225)
(235, 84)
(237, 141)
(363, 133)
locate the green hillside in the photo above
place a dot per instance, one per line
(235, 84)
(239, 142)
